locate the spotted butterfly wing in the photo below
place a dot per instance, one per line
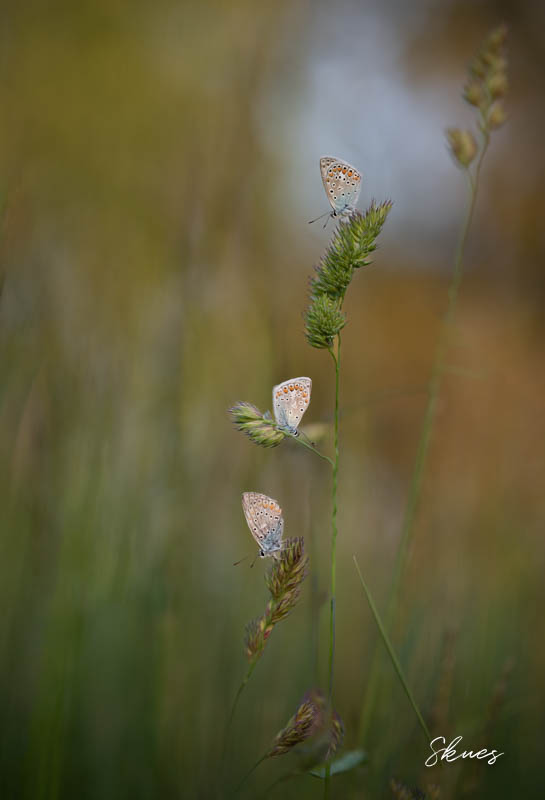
(342, 184)
(265, 521)
(290, 401)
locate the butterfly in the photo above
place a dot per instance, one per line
(342, 184)
(265, 521)
(290, 401)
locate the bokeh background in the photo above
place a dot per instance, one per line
(158, 166)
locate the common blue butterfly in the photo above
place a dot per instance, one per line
(290, 401)
(265, 521)
(342, 184)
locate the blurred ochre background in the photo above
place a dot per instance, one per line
(158, 166)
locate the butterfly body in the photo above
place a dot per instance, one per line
(290, 401)
(266, 523)
(342, 184)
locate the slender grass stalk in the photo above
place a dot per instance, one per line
(309, 446)
(235, 703)
(334, 531)
(331, 662)
(284, 580)
(327, 781)
(351, 244)
(434, 387)
(282, 779)
(391, 653)
(232, 716)
(415, 488)
(250, 772)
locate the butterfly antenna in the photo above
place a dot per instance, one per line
(327, 213)
(255, 559)
(236, 563)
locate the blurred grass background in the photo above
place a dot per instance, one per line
(158, 165)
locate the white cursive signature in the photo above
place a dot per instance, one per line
(448, 752)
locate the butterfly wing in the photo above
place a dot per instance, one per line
(290, 401)
(265, 521)
(342, 183)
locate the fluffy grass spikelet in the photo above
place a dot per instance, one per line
(462, 146)
(350, 247)
(323, 321)
(306, 721)
(488, 70)
(336, 735)
(314, 724)
(260, 428)
(284, 580)
(352, 243)
(485, 89)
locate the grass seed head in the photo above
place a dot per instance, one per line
(315, 730)
(462, 146)
(259, 427)
(284, 580)
(306, 721)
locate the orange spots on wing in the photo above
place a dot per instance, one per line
(285, 389)
(344, 170)
(291, 387)
(349, 173)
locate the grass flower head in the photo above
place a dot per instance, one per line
(284, 580)
(316, 730)
(259, 427)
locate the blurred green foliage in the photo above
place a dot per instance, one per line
(147, 285)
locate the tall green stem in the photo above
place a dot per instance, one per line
(234, 706)
(331, 664)
(250, 772)
(309, 446)
(393, 657)
(425, 435)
